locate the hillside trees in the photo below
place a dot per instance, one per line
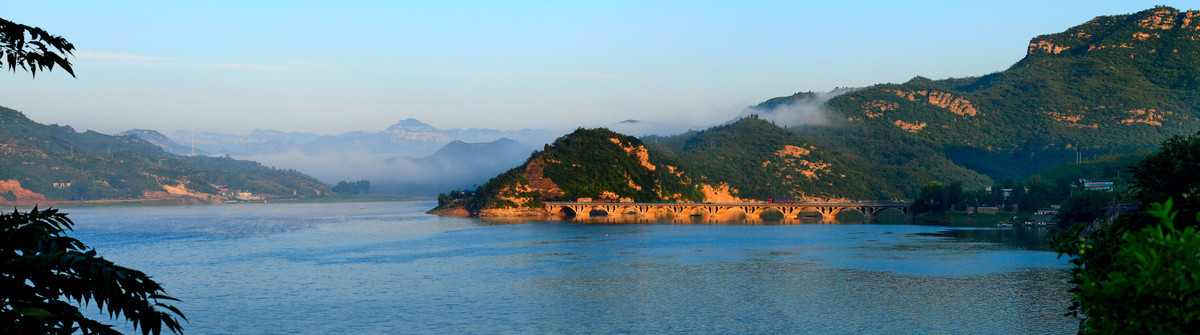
(1139, 273)
(353, 187)
(1171, 172)
(1009, 194)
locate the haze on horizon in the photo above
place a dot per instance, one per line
(331, 67)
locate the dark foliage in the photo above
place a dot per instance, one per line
(1084, 208)
(1172, 171)
(32, 49)
(1138, 273)
(352, 188)
(45, 274)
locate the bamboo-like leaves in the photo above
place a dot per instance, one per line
(32, 49)
(42, 271)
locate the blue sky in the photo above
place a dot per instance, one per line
(333, 67)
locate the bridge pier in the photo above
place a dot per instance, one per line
(724, 211)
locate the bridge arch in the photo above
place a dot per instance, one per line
(890, 216)
(661, 213)
(850, 215)
(597, 211)
(629, 210)
(731, 213)
(692, 212)
(771, 214)
(805, 212)
(809, 214)
(563, 211)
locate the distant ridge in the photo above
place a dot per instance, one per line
(162, 141)
(409, 137)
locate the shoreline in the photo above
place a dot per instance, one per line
(187, 202)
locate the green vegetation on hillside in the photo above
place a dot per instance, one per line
(62, 164)
(352, 188)
(588, 162)
(1141, 272)
(1114, 85)
(763, 161)
(1108, 89)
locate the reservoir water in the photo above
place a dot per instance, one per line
(355, 268)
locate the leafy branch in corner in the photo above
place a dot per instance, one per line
(45, 274)
(32, 49)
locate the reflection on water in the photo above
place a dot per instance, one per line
(1029, 238)
(388, 268)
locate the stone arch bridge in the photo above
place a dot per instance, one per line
(826, 212)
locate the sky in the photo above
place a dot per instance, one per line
(329, 67)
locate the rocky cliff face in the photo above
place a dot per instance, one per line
(1152, 31)
(1112, 85)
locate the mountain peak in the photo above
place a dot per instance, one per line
(411, 124)
(1141, 31)
(148, 132)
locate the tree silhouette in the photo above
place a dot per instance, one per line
(42, 271)
(32, 49)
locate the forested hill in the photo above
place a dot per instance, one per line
(587, 163)
(747, 160)
(760, 160)
(1115, 84)
(48, 163)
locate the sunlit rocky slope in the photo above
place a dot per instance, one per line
(1113, 85)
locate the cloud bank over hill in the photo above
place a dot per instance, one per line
(805, 108)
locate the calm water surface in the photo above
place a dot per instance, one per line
(389, 268)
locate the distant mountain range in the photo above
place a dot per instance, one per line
(409, 157)
(162, 141)
(1114, 85)
(408, 137)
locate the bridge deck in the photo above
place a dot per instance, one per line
(807, 204)
(826, 210)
